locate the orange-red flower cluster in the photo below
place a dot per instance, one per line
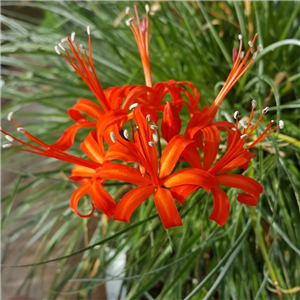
(125, 145)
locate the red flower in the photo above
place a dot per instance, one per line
(236, 156)
(151, 179)
(117, 99)
(85, 172)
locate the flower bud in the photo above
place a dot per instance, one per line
(171, 122)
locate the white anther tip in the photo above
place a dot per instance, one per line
(126, 135)
(253, 102)
(57, 50)
(153, 127)
(21, 129)
(151, 144)
(147, 8)
(6, 145)
(128, 22)
(133, 106)
(61, 47)
(250, 43)
(240, 36)
(73, 36)
(88, 30)
(82, 47)
(260, 47)
(242, 54)
(127, 10)
(113, 137)
(10, 116)
(148, 118)
(235, 115)
(281, 124)
(254, 55)
(63, 40)
(9, 138)
(265, 110)
(243, 136)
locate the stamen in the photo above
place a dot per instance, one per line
(235, 115)
(61, 47)
(9, 138)
(265, 110)
(128, 22)
(281, 124)
(253, 102)
(126, 135)
(254, 55)
(137, 127)
(21, 129)
(113, 137)
(153, 127)
(57, 50)
(82, 47)
(260, 47)
(133, 106)
(240, 36)
(242, 55)
(147, 8)
(64, 40)
(151, 144)
(10, 116)
(243, 136)
(73, 36)
(127, 10)
(6, 145)
(148, 118)
(250, 43)
(88, 30)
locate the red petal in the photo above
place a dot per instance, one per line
(86, 106)
(241, 161)
(171, 122)
(80, 192)
(181, 192)
(82, 171)
(124, 173)
(102, 199)
(191, 176)
(211, 145)
(118, 151)
(92, 148)
(221, 206)
(192, 155)
(131, 201)
(67, 138)
(171, 154)
(252, 188)
(166, 208)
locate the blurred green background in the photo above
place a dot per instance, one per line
(254, 256)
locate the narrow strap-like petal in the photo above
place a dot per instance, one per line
(82, 171)
(252, 188)
(80, 192)
(181, 192)
(131, 201)
(119, 151)
(166, 208)
(211, 145)
(86, 106)
(172, 154)
(102, 199)
(124, 173)
(221, 206)
(191, 176)
(171, 122)
(92, 149)
(67, 138)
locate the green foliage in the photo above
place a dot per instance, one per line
(256, 254)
